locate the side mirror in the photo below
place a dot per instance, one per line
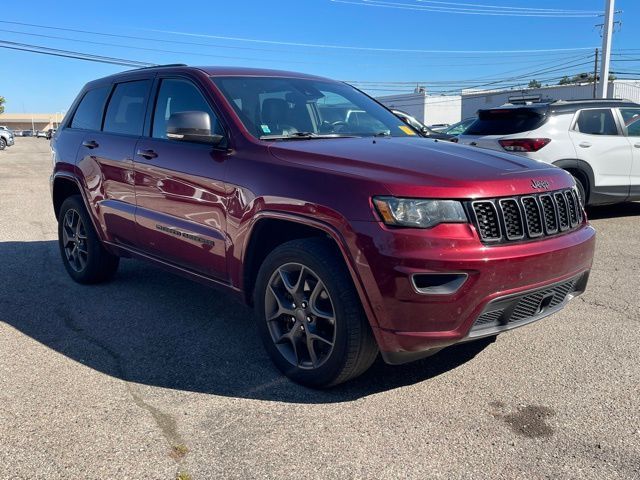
(425, 130)
(192, 126)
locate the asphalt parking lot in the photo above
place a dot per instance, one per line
(153, 377)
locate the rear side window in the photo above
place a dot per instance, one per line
(631, 118)
(596, 122)
(177, 95)
(88, 115)
(505, 121)
(125, 113)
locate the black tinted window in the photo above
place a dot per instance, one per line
(89, 112)
(175, 96)
(505, 122)
(631, 117)
(597, 122)
(125, 113)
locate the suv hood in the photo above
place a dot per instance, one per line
(419, 167)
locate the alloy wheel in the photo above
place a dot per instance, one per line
(300, 316)
(74, 240)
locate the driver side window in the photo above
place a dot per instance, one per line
(178, 95)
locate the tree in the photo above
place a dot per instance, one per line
(580, 78)
(534, 84)
(2, 100)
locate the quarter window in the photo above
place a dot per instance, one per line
(596, 122)
(177, 95)
(88, 115)
(631, 118)
(125, 113)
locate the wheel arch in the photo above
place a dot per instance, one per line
(581, 170)
(271, 229)
(62, 188)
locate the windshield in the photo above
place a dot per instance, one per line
(276, 108)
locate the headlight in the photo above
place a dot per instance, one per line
(419, 213)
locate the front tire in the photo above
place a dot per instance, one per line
(309, 315)
(3, 143)
(83, 255)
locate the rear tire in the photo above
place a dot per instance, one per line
(84, 257)
(582, 191)
(309, 315)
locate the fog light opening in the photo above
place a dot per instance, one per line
(438, 283)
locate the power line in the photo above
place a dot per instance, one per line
(366, 49)
(253, 59)
(505, 12)
(71, 54)
(348, 50)
(505, 7)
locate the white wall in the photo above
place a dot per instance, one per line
(429, 109)
(474, 101)
(412, 103)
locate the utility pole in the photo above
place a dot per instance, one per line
(606, 47)
(595, 74)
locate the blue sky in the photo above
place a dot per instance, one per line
(270, 34)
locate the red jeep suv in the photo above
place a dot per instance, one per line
(348, 233)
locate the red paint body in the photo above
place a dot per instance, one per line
(219, 196)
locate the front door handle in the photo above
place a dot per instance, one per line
(148, 154)
(90, 144)
(637, 145)
(584, 144)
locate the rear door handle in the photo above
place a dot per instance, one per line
(90, 144)
(148, 154)
(637, 145)
(584, 144)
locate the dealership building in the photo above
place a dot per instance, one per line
(30, 121)
(474, 100)
(429, 109)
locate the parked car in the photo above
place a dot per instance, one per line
(347, 240)
(419, 127)
(6, 129)
(41, 134)
(6, 138)
(460, 127)
(597, 141)
(17, 133)
(27, 133)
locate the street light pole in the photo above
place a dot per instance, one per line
(607, 32)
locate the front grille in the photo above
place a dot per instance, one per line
(506, 312)
(487, 219)
(526, 217)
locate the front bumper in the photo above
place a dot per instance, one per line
(409, 325)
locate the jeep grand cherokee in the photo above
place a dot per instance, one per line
(348, 237)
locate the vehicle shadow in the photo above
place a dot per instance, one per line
(158, 329)
(630, 209)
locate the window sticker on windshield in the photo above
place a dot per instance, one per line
(265, 128)
(407, 130)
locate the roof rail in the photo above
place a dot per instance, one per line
(594, 100)
(159, 66)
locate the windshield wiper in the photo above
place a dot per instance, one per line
(384, 133)
(304, 136)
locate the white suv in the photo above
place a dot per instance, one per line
(597, 141)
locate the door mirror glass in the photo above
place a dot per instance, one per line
(193, 126)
